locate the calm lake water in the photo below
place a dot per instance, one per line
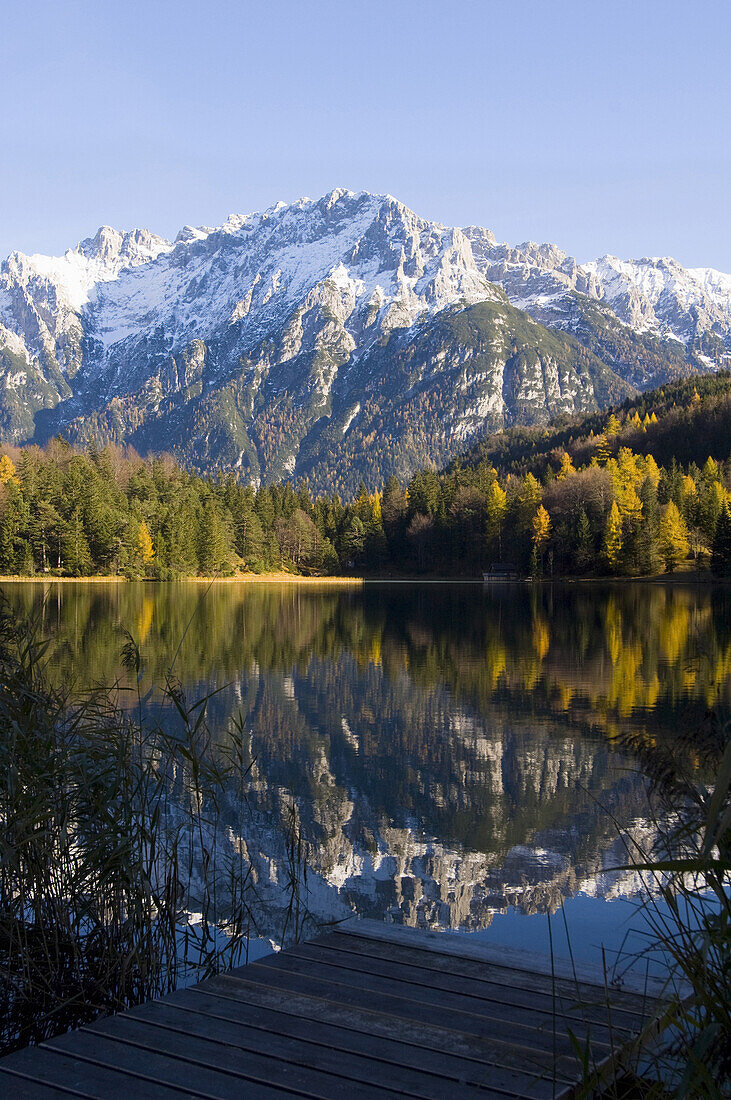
(454, 752)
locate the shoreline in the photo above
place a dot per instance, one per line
(685, 577)
(241, 578)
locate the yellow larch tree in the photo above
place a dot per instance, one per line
(497, 504)
(541, 527)
(567, 467)
(651, 469)
(144, 543)
(7, 469)
(613, 537)
(541, 530)
(674, 542)
(613, 426)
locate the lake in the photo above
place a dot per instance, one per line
(454, 753)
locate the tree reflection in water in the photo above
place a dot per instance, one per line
(449, 749)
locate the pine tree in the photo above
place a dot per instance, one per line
(353, 541)
(711, 502)
(721, 552)
(394, 509)
(249, 536)
(14, 517)
(45, 528)
(76, 553)
(181, 529)
(584, 542)
(648, 549)
(214, 540)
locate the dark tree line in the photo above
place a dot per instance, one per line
(599, 503)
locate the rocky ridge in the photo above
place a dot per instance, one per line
(286, 343)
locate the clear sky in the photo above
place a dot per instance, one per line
(602, 125)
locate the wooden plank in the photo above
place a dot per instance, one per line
(397, 1012)
(262, 1033)
(367, 1011)
(455, 943)
(489, 1053)
(159, 1069)
(472, 988)
(46, 1066)
(19, 1088)
(511, 1025)
(520, 980)
(388, 1060)
(218, 1058)
(432, 1050)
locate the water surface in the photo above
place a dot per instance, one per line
(454, 752)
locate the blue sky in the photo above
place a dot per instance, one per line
(601, 125)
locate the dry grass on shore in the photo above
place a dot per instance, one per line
(238, 578)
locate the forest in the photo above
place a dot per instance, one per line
(641, 490)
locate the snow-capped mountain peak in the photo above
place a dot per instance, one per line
(658, 294)
(97, 259)
(292, 308)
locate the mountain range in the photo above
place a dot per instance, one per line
(337, 340)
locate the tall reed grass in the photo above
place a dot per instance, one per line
(115, 886)
(686, 1049)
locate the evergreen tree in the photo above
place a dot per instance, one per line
(711, 502)
(181, 529)
(130, 559)
(721, 552)
(14, 516)
(76, 553)
(584, 553)
(214, 541)
(353, 542)
(249, 536)
(424, 493)
(264, 506)
(45, 531)
(648, 547)
(394, 509)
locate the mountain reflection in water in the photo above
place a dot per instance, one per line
(451, 750)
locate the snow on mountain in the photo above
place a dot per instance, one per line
(95, 260)
(273, 313)
(655, 296)
(658, 295)
(258, 268)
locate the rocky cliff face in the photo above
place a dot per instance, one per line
(289, 343)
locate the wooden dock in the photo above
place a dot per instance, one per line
(367, 1010)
